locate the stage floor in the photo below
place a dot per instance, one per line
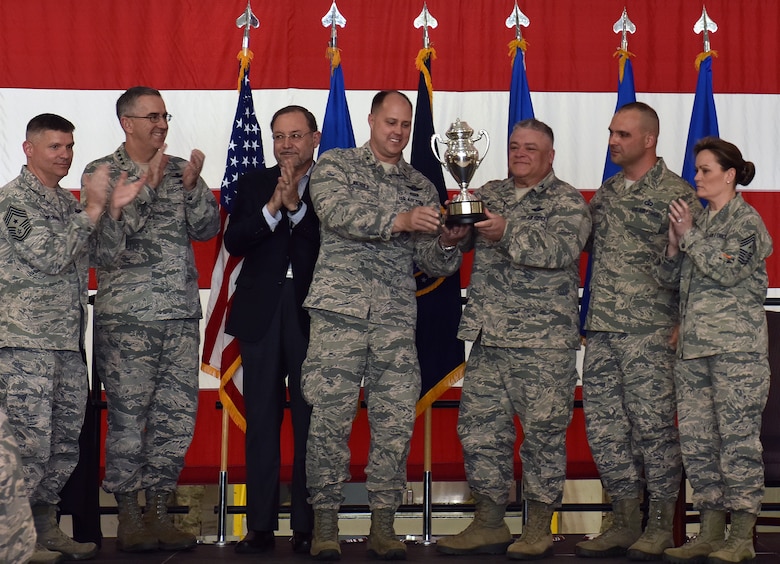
(767, 545)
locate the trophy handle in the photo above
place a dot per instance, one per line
(435, 148)
(483, 133)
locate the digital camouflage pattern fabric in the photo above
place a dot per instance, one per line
(627, 382)
(722, 280)
(363, 307)
(146, 310)
(524, 288)
(522, 317)
(722, 373)
(46, 242)
(364, 269)
(45, 247)
(155, 277)
(17, 531)
(630, 231)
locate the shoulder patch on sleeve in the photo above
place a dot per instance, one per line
(18, 223)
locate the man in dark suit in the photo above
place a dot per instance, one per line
(273, 226)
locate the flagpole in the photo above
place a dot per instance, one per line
(424, 21)
(222, 366)
(223, 483)
(704, 117)
(427, 479)
(336, 125)
(520, 104)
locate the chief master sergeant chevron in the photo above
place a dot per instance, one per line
(378, 215)
(46, 244)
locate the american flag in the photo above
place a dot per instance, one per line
(221, 357)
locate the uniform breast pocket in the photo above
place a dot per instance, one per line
(645, 220)
(141, 253)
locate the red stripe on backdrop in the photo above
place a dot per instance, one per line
(184, 44)
(766, 203)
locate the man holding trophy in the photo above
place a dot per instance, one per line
(377, 215)
(522, 317)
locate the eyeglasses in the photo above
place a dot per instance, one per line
(294, 137)
(154, 118)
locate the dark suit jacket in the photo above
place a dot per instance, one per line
(266, 256)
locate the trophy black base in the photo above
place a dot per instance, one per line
(465, 218)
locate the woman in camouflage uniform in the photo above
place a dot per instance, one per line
(722, 370)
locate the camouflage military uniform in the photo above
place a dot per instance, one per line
(522, 315)
(146, 339)
(45, 245)
(628, 384)
(17, 530)
(722, 371)
(363, 309)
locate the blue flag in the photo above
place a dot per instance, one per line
(520, 106)
(626, 93)
(441, 354)
(337, 125)
(704, 118)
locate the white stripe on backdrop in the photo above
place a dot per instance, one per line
(202, 119)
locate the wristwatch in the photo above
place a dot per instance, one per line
(447, 248)
(296, 210)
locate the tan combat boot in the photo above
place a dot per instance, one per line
(325, 537)
(382, 540)
(739, 545)
(626, 528)
(486, 534)
(159, 523)
(131, 533)
(711, 537)
(51, 536)
(536, 542)
(658, 534)
(43, 555)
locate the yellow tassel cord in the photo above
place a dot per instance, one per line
(442, 386)
(514, 45)
(333, 54)
(431, 288)
(624, 56)
(227, 403)
(422, 57)
(245, 57)
(701, 56)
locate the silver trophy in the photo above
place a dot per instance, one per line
(462, 160)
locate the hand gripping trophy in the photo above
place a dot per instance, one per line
(462, 160)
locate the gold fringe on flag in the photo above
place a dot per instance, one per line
(514, 45)
(703, 55)
(422, 57)
(431, 288)
(333, 54)
(442, 386)
(245, 57)
(227, 402)
(624, 56)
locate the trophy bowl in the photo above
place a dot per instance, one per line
(462, 159)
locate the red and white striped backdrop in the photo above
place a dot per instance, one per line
(74, 57)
